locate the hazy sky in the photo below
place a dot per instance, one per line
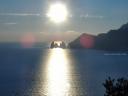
(91, 16)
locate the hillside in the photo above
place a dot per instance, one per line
(112, 40)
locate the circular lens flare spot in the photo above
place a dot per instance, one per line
(28, 40)
(87, 41)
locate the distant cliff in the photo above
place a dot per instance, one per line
(112, 40)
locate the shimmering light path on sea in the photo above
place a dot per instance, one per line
(57, 77)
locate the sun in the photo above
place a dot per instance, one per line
(57, 12)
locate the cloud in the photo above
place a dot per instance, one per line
(37, 14)
(10, 23)
(88, 16)
(18, 14)
(91, 16)
(67, 36)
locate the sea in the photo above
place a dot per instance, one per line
(40, 71)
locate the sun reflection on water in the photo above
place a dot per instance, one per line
(57, 75)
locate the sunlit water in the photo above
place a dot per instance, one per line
(58, 72)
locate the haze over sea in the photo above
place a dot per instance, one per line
(58, 72)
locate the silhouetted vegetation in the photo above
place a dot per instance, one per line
(115, 87)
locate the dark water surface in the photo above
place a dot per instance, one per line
(57, 72)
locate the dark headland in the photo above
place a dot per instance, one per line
(114, 40)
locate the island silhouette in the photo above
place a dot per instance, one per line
(58, 44)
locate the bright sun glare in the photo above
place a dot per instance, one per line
(57, 12)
